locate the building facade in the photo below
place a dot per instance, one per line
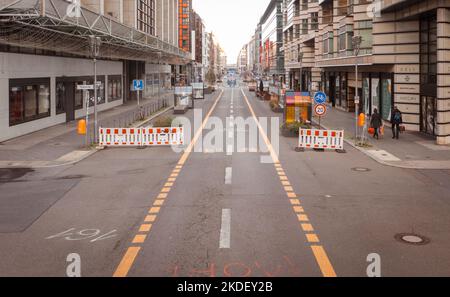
(403, 57)
(37, 87)
(272, 54)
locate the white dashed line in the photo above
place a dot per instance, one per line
(225, 229)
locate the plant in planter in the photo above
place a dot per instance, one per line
(275, 106)
(292, 129)
(163, 122)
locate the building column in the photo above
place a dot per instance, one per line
(443, 76)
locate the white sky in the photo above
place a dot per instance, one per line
(232, 21)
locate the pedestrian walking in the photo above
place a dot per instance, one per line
(376, 123)
(396, 121)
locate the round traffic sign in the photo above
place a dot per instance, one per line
(320, 97)
(320, 110)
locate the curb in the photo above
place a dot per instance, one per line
(67, 159)
(396, 164)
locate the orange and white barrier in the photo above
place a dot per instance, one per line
(141, 136)
(321, 139)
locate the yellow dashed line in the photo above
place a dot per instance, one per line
(312, 238)
(298, 209)
(307, 227)
(165, 190)
(295, 202)
(285, 183)
(302, 218)
(158, 202)
(318, 251)
(140, 238)
(145, 228)
(154, 210)
(130, 256)
(323, 261)
(127, 262)
(150, 218)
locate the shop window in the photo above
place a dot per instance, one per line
(114, 87)
(29, 100)
(78, 96)
(386, 98)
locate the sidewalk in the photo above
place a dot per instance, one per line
(61, 145)
(413, 149)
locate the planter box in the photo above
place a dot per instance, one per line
(289, 133)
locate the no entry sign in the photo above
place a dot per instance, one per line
(320, 110)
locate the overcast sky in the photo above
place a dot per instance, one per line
(232, 21)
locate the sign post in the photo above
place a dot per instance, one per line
(320, 109)
(138, 85)
(86, 89)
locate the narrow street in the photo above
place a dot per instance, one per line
(154, 212)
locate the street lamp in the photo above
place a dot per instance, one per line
(356, 42)
(95, 43)
(300, 60)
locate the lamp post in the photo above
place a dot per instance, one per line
(300, 60)
(95, 43)
(356, 42)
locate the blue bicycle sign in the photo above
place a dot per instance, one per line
(320, 98)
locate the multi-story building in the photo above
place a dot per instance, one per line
(242, 61)
(197, 46)
(258, 50)
(402, 50)
(272, 55)
(185, 24)
(251, 55)
(37, 87)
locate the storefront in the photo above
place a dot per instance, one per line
(377, 94)
(41, 91)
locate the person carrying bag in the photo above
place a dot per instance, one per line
(376, 123)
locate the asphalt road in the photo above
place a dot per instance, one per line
(154, 212)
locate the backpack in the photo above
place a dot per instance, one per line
(397, 117)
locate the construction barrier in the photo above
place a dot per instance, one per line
(321, 139)
(141, 136)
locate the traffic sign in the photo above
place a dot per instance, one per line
(320, 98)
(138, 85)
(320, 110)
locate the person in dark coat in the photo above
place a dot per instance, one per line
(396, 121)
(261, 86)
(376, 123)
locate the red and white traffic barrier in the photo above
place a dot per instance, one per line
(321, 139)
(141, 136)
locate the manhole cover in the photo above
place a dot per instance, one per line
(361, 169)
(411, 238)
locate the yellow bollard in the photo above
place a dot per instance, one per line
(361, 119)
(82, 127)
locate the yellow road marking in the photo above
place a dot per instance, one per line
(295, 202)
(168, 184)
(288, 189)
(154, 210)
(127, 261)
(150, 218)
(165, 190)
(140, 238)
(145, 228)
(312, 238)
(319, 252)
(302, 218)
(130, 256)
(323, 261)
(307, 227)
(158, 202)
(298, 209)
(285, 183)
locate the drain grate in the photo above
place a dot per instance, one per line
(411, 238)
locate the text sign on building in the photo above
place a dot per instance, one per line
(85, 87)
(320, 98)
(138, 85)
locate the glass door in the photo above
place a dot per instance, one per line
(428, 118)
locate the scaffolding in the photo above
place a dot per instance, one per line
(46, 25)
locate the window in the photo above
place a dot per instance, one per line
(29, 100)
(305, 26)
(314, 21)
(114, 87)
(146, 16)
